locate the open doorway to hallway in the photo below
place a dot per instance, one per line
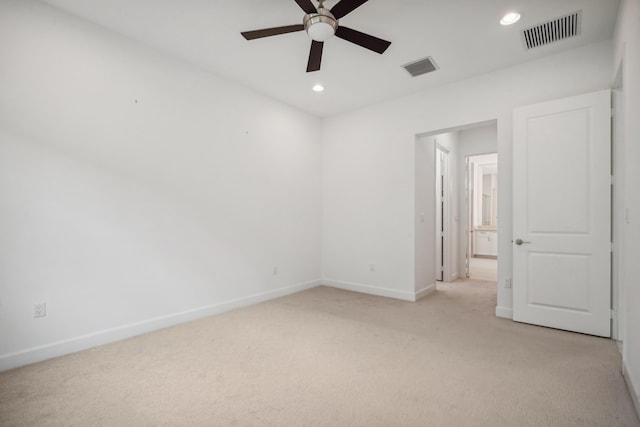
(481, 231)
(441, 218)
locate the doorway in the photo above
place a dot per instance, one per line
(439, 203)
(481, 195)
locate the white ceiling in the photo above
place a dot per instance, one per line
(463, 37)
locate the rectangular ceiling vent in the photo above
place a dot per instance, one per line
(552, 31)
(421, 66)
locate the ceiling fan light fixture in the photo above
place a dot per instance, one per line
(320, 26)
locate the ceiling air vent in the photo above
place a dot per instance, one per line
(552, 31)
(421, 66)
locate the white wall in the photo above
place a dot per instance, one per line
(449, 142)
(627, 53)
(478, 140)
(425, 250)
(425, 215)
(137, 191)
(369, 162)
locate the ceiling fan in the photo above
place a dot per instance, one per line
(321, 24)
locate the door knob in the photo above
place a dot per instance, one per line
(520, 241)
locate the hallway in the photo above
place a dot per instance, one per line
(483, 269)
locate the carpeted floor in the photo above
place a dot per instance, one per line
(327, 357)
(483, 269)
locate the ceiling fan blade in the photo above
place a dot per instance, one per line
(365, 40)
(307, 6)
(344, 7)
(315, 56)
(267, 32)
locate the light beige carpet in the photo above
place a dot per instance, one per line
(483, 269)
(327, 357)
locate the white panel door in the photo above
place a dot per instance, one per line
(561, 214)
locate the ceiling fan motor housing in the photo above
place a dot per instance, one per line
(320, 26)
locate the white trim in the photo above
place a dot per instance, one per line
(83, 342)
(618, 237)
(425, 291)
(504, 312)
(633, 388)
(371, 290)
(442, 173)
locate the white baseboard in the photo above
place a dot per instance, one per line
(505, 312)
(72, 345)
(633, 387)
(425, 291)
(371, 290)
(454, 277)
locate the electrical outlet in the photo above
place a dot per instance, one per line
(507, 282)
(372, 267)
(275, 270)
(40, 309)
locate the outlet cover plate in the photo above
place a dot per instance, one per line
(40, 309)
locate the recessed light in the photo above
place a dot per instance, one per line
(318, 88)
(510, 18)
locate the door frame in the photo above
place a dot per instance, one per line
(443, 209)
(618, 213)
(469, 199)
(421, 219)
(468, 211)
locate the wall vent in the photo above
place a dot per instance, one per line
(421, 66)
(552, 31)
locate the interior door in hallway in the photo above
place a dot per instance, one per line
(562, 214)
(442, 214)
